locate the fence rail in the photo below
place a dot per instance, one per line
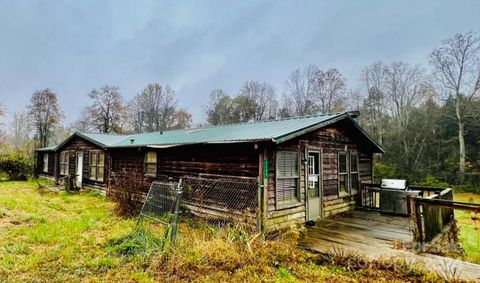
(432, 213)
(369, 196)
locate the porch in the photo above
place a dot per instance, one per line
(375, 235)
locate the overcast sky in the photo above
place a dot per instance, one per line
(196, 46)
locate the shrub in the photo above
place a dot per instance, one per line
(468, 188)
(15, 167)
(385, 171)
(126, 191)
(431, 181)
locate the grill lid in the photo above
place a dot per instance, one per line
(395, 184)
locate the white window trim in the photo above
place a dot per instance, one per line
(347, 188)
(66, 163)
(95, 178)
(45, 162)
(145, 163)
(352, 190)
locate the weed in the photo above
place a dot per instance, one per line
(140, 242)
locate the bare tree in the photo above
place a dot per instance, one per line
(406, 88)
(373, 79)
(457, 68)
(2, 130)
(330, 90)
(45, 114)
(20, 132)
(155, 109)
(257, 101)
(106, 113)
(182, 119)
(300, 91)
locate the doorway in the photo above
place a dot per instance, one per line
(313, 179)
(79, 169)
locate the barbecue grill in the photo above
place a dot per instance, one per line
(394, 195)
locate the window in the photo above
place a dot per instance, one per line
(97, 165)
(64, 161)
(287, 189)
(354, 172)
(342, 174)
(151, 163)
(45, 162)
(313, 175)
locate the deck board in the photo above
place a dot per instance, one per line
(375, 235)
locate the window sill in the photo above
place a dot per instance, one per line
(343, 194)
(150, 175)
(290, 204)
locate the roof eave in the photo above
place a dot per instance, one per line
(294, 134)
(78, 134)
(307, 129)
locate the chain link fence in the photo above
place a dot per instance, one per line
(162, 205)
(200, 201)
(220, 200)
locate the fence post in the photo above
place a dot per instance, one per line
(177, 211)
(260, 205)
(417, 221)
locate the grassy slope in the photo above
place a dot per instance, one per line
(67, 238)
(469, 229)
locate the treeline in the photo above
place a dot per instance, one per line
(426, 117)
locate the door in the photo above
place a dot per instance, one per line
(313, 179)
(79, 169)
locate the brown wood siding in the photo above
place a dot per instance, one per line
(331, 140)
(78, 144)
(239, 160)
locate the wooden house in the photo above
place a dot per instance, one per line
(308, 167)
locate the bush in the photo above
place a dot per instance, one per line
(15, 167)
(385, 171)
(126, 191)
(468, 188)
(431, 181)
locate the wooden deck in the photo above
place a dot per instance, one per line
(375, 236)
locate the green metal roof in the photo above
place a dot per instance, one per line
(49, 148)
(274, 130)
(243, 132)
(104, 139)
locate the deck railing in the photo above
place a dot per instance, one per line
(369, 196)
(433, 213)
(429, 216)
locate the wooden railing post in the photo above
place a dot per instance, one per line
(417, 222)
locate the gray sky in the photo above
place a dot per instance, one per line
(196, 46)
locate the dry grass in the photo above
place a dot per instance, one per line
(77, 238)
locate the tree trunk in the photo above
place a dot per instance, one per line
(461, 140)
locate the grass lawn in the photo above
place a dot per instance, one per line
(469, 229)
(48, 237)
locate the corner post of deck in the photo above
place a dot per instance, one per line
(417, 222)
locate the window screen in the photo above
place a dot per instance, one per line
(287, 187)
